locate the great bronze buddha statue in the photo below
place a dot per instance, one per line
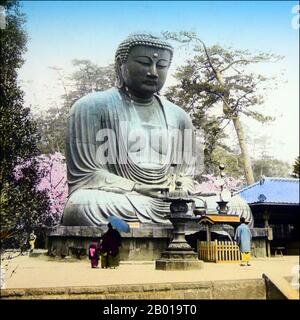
(127, 145)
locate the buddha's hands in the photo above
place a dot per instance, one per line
(113, 190)
(153, 191)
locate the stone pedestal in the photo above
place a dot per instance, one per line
(144, 243)
(179, 255)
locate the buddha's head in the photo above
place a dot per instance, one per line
(142, 62)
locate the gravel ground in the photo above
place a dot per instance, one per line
(38, 272)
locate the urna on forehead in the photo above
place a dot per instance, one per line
(141, 40)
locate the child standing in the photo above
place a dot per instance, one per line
(94, 254)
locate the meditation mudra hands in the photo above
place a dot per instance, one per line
(153, 191)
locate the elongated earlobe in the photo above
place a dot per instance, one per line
(119, 77)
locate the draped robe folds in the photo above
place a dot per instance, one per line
(99, 189)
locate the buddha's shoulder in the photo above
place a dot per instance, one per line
(174, 108)
(95, 100)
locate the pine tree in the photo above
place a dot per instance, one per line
(218, 76)
(296, 170)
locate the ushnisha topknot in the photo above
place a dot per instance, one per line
(144, 39)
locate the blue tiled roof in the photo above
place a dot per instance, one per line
(272, 190)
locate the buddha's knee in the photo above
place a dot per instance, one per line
(87, 207)
(75, 216)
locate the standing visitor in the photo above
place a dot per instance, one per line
(111, 241)
(243, 238)
(32, 238)
(94, 254)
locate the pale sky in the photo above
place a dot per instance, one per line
(60, 31)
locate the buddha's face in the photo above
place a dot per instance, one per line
(145, 70)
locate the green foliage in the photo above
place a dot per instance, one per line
(269, 167)
(231, 161)
(52, 126)
(89, 77)
(86, 78)
(20, 202)
(22, 207)
(16, 127)
(296, 166)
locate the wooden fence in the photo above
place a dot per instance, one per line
(219, 251)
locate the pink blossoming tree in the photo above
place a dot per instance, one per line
(211, 184)
(52, 170)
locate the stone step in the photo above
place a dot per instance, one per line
(228, 289)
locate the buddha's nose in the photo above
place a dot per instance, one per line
(153, 72)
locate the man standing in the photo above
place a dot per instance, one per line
(243, 238)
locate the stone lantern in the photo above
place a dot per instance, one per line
(222, 203)
(179, 255)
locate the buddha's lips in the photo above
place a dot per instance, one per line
(150, 82)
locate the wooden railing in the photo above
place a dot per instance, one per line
(219, 251)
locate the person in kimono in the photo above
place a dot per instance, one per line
(94, 254)
(111, 241)
(243, 238)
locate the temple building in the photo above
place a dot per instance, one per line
(274, 203)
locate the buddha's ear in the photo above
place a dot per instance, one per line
(119, 76)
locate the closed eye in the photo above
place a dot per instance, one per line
(162, 64)
(144, 63)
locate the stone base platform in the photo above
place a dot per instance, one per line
(172, 264)
(145, 242)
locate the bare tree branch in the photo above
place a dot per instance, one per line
(234, 62)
